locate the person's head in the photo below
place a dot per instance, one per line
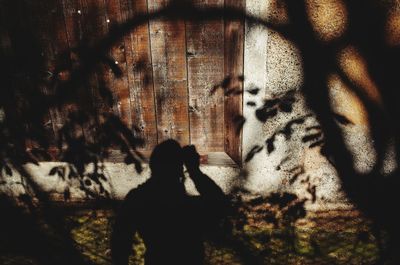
(166, 161)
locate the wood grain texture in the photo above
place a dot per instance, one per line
(92, 19)
(119, 84)
(73, 22)
(140, 74)
(168, 68)
(205, 51)
(233, 67)
(94, 28)
(170, 78)
(210, 158)
(47, 24)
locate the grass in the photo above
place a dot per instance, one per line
(340, 238)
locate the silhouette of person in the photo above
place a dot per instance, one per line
(171, 223)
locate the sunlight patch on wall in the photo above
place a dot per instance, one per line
(328, 18)
(345, 102)
(392, 29)
(277, 12)
(284, 65)
(355, 68)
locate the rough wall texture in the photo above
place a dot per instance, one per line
(273, 65)
(119, 179)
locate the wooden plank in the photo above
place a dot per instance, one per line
(205, 50)
(89, 26)
(81, 19)
(140, 74)
(92, 15)
(99, 17)
(72, 19)
(58, 39)
(220, 159)
(168, 49)
(13, 51)
(120, 85)
(72, 11)
(52, 39)
(209, 158)
(77, 34)
(233, 67)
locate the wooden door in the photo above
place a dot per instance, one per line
(169, 69)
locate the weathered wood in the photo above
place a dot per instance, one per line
(168, 69)
(170, 78)
(72, 11)
(94, 26)
(119, 84)
(92, 18)
(205, 56)
(140, 74)
(52, 39)
(233, 67)
(209, 158)
(72, 18)
(13, 49)
(77, 32)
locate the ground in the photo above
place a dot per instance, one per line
(336, 237)
(322, 239)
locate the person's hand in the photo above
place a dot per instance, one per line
(191, 158)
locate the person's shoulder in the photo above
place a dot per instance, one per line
(139, 192)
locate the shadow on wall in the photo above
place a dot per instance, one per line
(363, 55)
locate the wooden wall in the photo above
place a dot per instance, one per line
(168, 67)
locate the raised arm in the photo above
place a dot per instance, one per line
(207, 188)
(213, 204)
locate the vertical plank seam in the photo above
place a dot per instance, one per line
(82, 32)
(224, 70)
(224, 76)
(65, 25)
(152, 72)
(51, 113)
(243, 22)
(127, 67)
(81, 25)
(109, 53)
(112, 77)
(187, 85)
(68, 37)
